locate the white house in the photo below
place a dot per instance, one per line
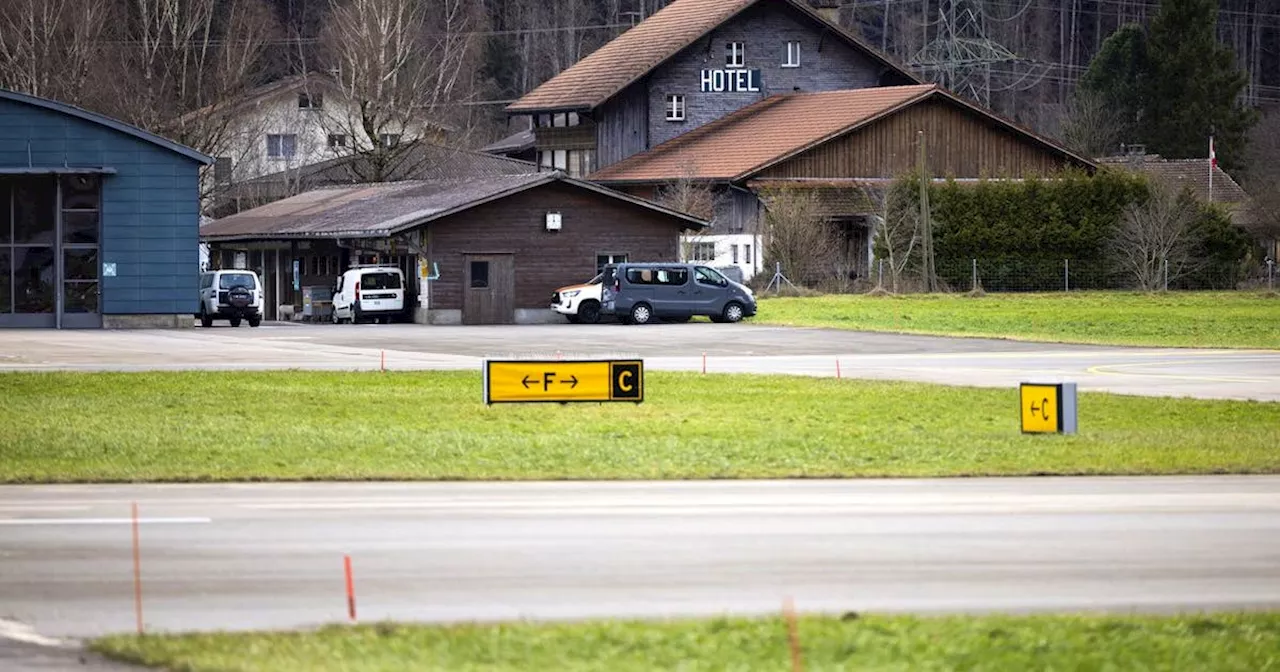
(290, 123)
(738, 250)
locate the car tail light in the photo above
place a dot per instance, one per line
(357, 290)
(617, 285)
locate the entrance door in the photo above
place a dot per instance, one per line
(488, 292)
(80, 199)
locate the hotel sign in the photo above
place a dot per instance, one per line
(731, 81)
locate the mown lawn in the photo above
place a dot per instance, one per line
(221, 426)
(1244, 642)
(1176, 319)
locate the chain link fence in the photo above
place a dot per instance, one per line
(1038, 275)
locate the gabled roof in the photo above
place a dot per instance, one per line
(113, 124)
(739, 145)
(637, 52)
(388, 208)
(1192, 173)
(259, 94)
(423, 161)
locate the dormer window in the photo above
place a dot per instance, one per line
(310, 101)
(735, 55)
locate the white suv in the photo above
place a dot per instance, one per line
(369, 293)
(579, 303)
(230, 294)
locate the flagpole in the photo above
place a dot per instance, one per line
(1212, 160)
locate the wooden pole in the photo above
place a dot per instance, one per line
(351, 589)
(793, 634)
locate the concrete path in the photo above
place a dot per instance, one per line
(271, 555)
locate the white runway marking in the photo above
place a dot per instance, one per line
(20, 632)
(103, 521)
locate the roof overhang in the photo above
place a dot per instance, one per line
(57, 170)
(799, 5)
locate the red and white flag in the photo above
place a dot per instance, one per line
(1213, 157)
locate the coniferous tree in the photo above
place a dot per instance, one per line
(1195, 86)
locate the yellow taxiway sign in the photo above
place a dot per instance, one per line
(523, 381)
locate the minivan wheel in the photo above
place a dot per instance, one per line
(733, 312)
(589, 312)
(255, 321)
(641, 314)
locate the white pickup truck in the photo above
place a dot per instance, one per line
(579, 303)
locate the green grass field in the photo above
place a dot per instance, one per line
(221, 426)
(1178, 319)
(1244, 642)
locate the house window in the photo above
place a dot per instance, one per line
(310, 101)
(746, 254)
(733, 249)
(337, 140)
(284, 146)
(479, 275)
(603, 260)
(702, 252)
(735, 55)
(793, 55)
(389, 140)
(222, 170)
(675, 107)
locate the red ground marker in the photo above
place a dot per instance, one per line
(351, 589)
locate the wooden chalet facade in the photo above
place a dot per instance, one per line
(688, 65)
(842, 146)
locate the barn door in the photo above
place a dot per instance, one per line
(488, 295)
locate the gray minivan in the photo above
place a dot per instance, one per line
(674, 292)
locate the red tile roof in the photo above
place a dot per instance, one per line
(633, 54)
(743, 142)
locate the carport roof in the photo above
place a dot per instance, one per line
(385, 209)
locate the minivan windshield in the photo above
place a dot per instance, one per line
(383, 280)
(230, 280)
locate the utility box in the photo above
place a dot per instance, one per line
(317, 303)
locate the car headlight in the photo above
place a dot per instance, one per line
(570, 295)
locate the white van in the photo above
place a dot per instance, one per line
(369, 293)
(579, 303)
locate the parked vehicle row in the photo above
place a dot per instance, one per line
(640, 293)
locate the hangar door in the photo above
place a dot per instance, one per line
(49, 255)
(488, 290)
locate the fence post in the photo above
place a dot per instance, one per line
(1066, 275)
(881, 281)
(973, 284)
(1271, 274)
(1166, 274)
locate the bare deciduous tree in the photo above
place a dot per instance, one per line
(900, 233)
(398, 63)
(1262, 181)
(1156, 237)
(1091, 127)
(798, 235)
(50, 48)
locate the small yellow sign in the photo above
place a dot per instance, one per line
(563, 381)
(1041, 408)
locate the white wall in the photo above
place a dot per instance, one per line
(725, 244)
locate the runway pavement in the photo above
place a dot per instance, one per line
(271, 555)
(1226, 374)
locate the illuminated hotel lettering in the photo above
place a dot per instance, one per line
(730, 81)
